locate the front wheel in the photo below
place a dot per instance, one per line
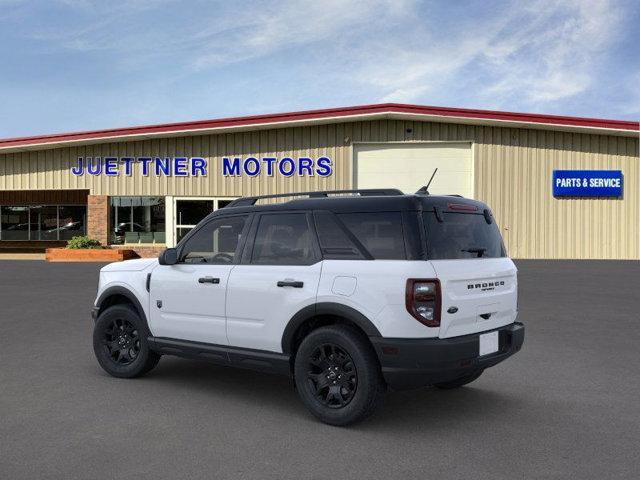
(337, 375)
(120, 343)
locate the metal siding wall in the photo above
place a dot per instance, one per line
(512, 173)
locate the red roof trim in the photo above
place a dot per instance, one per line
(329, 113)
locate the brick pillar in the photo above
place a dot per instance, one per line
(98, 218)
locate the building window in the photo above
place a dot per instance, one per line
(137, 220)
(42, 222)
(190, 211)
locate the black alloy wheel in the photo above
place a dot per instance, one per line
(122, 341)
(337, 375)
(332, 375)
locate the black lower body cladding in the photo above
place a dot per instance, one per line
(411, 363)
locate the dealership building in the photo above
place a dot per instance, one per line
(559, 187)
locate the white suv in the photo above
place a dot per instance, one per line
(348, 295)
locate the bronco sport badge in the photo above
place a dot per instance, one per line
(485, 286)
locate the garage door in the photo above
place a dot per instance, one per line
(408, 166)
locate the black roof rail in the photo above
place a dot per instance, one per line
(248, 201)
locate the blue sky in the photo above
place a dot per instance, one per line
(69, 65)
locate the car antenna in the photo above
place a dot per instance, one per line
(425, 190)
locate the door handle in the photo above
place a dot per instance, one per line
(215, 281)
(290, 283)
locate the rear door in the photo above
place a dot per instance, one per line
(477, 279)
(278, 276)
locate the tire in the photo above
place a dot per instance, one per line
(337, 375)
(459, 382)
(120, 343)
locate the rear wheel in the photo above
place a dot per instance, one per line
(459, 382)
(337, 375)
(120, 343)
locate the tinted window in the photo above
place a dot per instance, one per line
(334, 241)
(283, 240)
(462, 235)
(216, 242)
(380, 233)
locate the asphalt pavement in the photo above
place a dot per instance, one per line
(566, 406)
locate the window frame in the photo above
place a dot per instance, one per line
(247, 253)
(194, 231)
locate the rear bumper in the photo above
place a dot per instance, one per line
(410, 363)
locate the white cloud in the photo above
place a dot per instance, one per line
(283, 25)
(535, 55)
(552, 54)
(506, 55)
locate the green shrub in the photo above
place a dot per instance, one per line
(82, 241)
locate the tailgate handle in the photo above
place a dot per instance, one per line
(486, 316)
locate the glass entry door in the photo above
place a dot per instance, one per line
(189, 212)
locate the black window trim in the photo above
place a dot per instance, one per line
(203, 224)
(412, 228)
(247, 253)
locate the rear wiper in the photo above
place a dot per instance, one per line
(479, 251)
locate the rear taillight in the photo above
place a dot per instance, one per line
(423, 300)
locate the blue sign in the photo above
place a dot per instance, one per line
(197, 166)
(587, 183)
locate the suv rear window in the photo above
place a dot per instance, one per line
(462, 235)
(380, 233)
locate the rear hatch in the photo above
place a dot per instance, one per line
(478, 281)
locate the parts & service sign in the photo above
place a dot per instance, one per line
(587, 183)
(198, 166)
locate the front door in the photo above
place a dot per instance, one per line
(276, 279)
(187, 300)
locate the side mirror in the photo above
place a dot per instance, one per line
(168, 257)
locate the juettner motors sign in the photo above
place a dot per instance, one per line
(198, 166)
(587, 183)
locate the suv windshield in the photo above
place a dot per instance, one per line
(462, 235)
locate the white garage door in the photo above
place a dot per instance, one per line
(408, 166)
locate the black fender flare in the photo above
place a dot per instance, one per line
(326, 308)
(118, 290)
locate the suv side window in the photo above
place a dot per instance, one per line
(284, 239)
(335, 243)
(380, 232)
(216, 242)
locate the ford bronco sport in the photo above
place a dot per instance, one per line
(347, 292)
